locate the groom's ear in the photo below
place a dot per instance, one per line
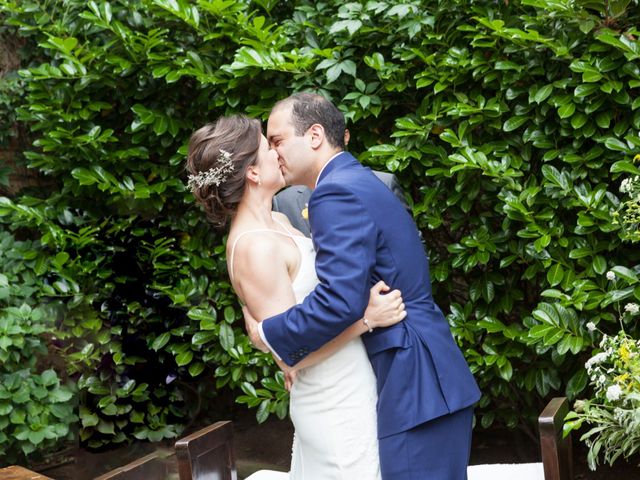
(316, 131)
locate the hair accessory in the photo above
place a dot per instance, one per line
(215, 175)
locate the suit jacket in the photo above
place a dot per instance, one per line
(293, 200)
(363, 234)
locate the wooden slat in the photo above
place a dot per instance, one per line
(556, 451)
(155, 466)
(16, 472)
(207, 454)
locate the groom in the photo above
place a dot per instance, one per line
(363, 234)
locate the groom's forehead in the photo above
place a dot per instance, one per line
(279, 123)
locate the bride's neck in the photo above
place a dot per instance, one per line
(255, 208)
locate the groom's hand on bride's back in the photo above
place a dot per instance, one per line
(384, 309)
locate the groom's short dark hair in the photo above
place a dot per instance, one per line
(310, 108)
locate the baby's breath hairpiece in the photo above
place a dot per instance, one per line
(215, 175)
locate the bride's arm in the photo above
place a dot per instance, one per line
(260, 278)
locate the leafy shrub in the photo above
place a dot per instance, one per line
(507, 123)
(36, 407)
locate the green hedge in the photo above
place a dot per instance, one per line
(508, 123)
(36, 405)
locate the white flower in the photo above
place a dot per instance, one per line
(591, 326)
(613, 393)
(625, 186)
(598, 358)
(602, 379)
(632, 308)
(611, 276)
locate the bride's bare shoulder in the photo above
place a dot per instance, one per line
(252, 251)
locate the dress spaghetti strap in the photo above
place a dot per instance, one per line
(286, 229)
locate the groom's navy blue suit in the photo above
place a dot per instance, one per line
(363, 234)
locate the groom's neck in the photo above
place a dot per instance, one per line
(320, 165)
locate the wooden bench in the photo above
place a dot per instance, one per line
(556, 452)
(207, 454)
(16, 472)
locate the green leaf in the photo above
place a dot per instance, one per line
(567, 110)
(577, 383)
(196, 368)
(506, 371)
(626, 273)
(227, 337)
(106, 427)
(624, 166)
(201, 338)
(555, 274)
(160, 341)
(543, 93)
(263, 411)
(614, 144)
(599, 264)
(184, 358)
(49, 378)
(514, 123)
(578, 120)
(229, 314)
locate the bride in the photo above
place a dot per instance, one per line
(234, 175)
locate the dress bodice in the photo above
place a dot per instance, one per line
(305, 280)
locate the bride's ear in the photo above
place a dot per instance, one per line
(253, 175)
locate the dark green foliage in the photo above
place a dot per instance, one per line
(508, 123)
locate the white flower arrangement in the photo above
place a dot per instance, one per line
(613, 412)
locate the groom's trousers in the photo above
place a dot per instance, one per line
(435, 450)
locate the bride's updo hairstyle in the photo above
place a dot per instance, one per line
(218, 158)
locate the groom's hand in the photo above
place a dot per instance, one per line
(251, 325)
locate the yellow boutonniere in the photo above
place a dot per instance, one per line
(305, 211)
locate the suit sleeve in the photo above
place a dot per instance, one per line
(345, 240)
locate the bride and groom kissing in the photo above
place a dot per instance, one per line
(378, 386)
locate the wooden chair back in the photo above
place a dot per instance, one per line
(154, 466)
(207, 454)
(556, 451)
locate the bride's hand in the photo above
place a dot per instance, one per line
(289, 378)
(384, 310)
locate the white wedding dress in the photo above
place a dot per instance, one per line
(332, 404)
